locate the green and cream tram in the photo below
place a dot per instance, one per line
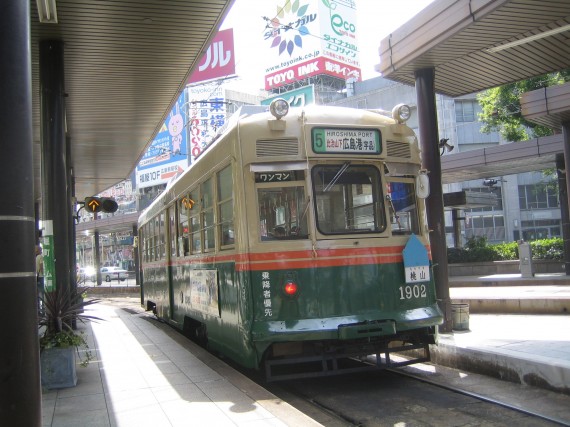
(296, 240)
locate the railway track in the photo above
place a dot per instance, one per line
(532, 413)
(418, 395)
(403, 398)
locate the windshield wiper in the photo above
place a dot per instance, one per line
(343, 168)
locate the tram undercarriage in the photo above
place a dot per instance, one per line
(308, 359)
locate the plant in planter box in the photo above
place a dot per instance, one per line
(59, 341)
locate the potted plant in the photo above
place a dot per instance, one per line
(60, 342)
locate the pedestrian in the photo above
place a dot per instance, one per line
(40, 277)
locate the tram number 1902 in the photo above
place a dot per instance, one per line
(412, 291)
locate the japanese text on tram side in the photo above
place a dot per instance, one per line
(266, 288)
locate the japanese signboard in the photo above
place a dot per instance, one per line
(219, 59)
(310, 38)
(343, 141)
(207, 114)
(416, 264)
(296, 98)
(166, 157)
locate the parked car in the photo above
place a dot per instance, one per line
(110, 273)
(86, 273)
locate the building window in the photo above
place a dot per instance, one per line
(465, 111)
(538, 196)
(541, 229)
(491, 227)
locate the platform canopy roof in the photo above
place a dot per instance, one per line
(479, 44)
(126, 62)
(474, 45)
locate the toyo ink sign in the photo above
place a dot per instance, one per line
(308, 38)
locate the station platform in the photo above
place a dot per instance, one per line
(146, 374)
(511, 293)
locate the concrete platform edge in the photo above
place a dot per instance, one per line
(516, 305)
(545, 374)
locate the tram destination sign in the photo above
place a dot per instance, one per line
(343, 141)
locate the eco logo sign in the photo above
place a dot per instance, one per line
(339, 25)
(289, 27)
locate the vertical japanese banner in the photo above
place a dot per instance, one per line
(166, 157)
(206, 115)
(48, 253)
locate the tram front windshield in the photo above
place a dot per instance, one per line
(348, 199)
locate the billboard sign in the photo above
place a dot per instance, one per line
(218, 61)
(296, 98)
(206, 114)
(166, 155)
(310, 38)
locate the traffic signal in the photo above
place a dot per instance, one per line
(490, 182)
(101, 204)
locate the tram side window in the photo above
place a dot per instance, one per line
(282, 213)
(195, 228)
(403, 209)
(162, 237)
(172, 229)
(151, 240)
(348, 199)
(225, 207)
(142, 247)
(208, 215)
(183, 229)
(157, 241)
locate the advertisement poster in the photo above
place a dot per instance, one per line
(207, 114)
(296, 98)
(309, 38)
(219, 60)
(166, 157)
(204, 291)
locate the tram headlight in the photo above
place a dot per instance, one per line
(279, 108)
(401, 113)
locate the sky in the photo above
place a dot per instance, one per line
(375, 20)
